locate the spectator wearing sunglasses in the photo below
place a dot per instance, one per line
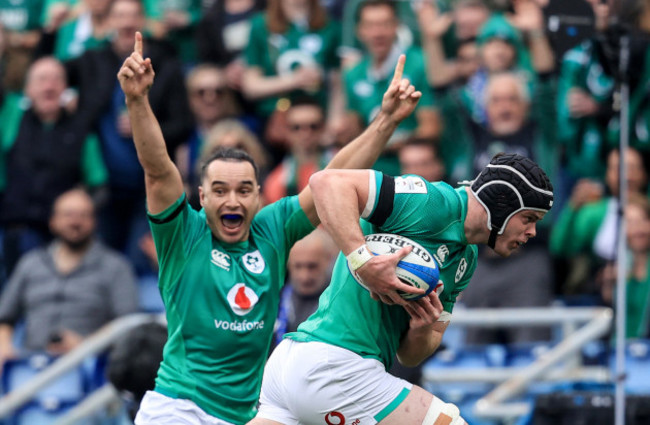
(211, 101)
(305, 130)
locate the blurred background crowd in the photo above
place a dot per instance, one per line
(290, 82)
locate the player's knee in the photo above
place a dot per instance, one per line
(443, 413)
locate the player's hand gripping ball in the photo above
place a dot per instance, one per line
(418, 268)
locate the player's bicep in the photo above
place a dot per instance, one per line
(333, 186)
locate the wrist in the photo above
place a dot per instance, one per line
(536, 34)
(385, 123)
(135, 99)
(359, 257)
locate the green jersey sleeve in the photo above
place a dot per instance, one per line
(283, 223)
(175, 232)
(254, 51)
(432, 214)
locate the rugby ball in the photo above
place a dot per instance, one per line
(418, 268)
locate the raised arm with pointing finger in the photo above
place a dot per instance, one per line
(163, 181)
(222, 268)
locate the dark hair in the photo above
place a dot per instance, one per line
(134, 360)
(229, 155)
(423, 141)
(374, 3)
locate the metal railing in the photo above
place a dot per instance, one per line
(514, 381)
(91, 346)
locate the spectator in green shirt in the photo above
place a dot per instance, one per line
(292, 52)
(585, 231)
(637, 221)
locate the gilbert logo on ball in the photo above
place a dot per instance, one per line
(418, 268)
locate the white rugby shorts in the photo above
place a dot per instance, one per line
(312, 383)
(158, 409)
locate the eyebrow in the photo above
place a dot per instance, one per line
(243, 182)
(532, 215)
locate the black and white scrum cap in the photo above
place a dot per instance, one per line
(508, 184)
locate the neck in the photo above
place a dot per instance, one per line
(378, 61)
(67, 257)
(122, 49)
(99, 23)
(476, 230)
(49, 117)
(305, 155)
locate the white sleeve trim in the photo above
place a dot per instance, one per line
(372, 195)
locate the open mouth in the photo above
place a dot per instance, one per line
(232, 221)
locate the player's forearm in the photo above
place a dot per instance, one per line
(417, 346)
(440, 72)
(364, 150)
(337, 202)
(148, 138)
(541, 53)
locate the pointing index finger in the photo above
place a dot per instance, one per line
(137, 48)
(399, 68)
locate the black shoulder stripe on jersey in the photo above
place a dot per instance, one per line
(171, 216)
(385, 201)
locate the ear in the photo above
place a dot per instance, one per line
(201, 196)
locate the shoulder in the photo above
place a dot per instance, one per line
(357, 71)
(31, 258)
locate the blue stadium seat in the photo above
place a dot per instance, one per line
(53, 400)
(637, 365)
(462, 393)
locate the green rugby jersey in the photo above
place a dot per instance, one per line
(221, 300)
(280, 54)
(364, 88)
(432, 214)
(20, 15)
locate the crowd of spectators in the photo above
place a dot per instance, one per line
(290, 82)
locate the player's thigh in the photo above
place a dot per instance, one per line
(332, 385)
(421, 407)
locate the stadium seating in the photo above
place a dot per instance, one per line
(53, 400)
